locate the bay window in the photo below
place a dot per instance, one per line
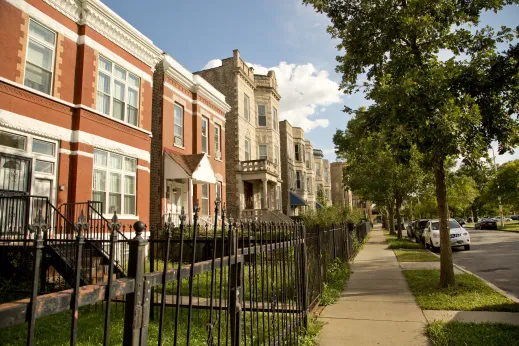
(262, 152)
(262, 115)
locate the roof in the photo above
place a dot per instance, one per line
(295, 200)
(189, 163)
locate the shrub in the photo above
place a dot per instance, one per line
(326, 217)
(337, 275)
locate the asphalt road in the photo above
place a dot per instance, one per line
(494, 256)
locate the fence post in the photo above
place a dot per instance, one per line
(235, 271)
(334, 243)
(304, 276)
(133, 314)
(38, 227)
(319, 260)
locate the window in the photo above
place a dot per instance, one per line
(117, 92)
(317, 169)
(278, 197)
(298, 180)
(44, 167)
(247, 148)
(217, 148)
(12, 140)
(297, 151)
(308, 186)
(219, 196)
(113, 182)
(262, 115)
(39, 62)
(42, 147)
(205, 142)
(205, 199)
(308, 160)
(246, 107)
(275, 118)
(179, 125)
(325, 175)
(276, 154)
(262, 151)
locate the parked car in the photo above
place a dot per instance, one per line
(419, 229)
(460, 221)
(505, 219)
(410, 228)
(514, 217)
(486, 223)
(401, 223)
(459, 235)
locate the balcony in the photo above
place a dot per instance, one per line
(259, 166)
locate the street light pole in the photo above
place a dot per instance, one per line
(498, 197)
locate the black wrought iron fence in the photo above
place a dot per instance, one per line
(254, 285)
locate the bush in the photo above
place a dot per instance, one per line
(337, 275)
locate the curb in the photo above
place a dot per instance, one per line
(488, 283)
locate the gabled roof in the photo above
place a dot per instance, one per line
(196, 166)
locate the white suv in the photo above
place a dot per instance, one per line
(459, 235)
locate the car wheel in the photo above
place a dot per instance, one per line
(434, 248)
(427, 246)
(467, 247)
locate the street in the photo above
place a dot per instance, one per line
(494, 256)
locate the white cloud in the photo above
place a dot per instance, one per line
(323, 110)
(212, 64)
(303, 90)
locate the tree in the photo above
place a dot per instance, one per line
(506, 185)
(461, 192)
(374, 170)
(446, 108)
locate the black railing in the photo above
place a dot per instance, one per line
(255, 288)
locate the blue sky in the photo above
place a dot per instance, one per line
(280, 34)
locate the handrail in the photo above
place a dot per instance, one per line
(89, 203)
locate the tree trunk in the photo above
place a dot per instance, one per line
(384, 219)
(446, 266)
(398, 204)
(391, 215)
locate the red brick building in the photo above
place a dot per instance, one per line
(76, 99)
(188, 145)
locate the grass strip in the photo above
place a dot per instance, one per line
(474, 334)
(394, 243)
(415, 256)
(469, 293)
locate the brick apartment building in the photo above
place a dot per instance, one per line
(253, 170)
(76, 124)
(188, 145)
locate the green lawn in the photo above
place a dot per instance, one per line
(55, 329)
(473, 334)
(404, 243)
(469, 294)
(415, 256)
(510, 226)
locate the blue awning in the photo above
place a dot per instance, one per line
(295, 200)
(318, 205)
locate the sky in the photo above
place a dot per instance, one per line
(282, 35)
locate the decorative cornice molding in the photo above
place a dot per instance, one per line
(99, 17)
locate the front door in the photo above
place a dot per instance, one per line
(248, 191)
(174, 200)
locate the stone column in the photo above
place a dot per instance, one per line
(264, 201)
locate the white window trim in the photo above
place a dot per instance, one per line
(127, 86)
(246, 107)
(122, 172)
(266, 117)
(275, 123)
(206, 149)
(266, 151)
(217, 140)
(45, 44)
(208, 199)
(181, 125)
(247, 145)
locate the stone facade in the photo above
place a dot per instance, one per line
(341, 196)
(253, 175)
(322, 177)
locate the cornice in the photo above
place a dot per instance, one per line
(246, 78)
(273, 91)
(99, 17)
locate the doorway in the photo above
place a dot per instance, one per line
(248, 191)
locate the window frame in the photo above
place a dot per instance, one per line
(217, 140)
(123, 173)
(266, 156)
(46, 45)
(299, 176)
(247, 144)
(308, 159)
(206, 149)
(175, 125)
(207, 198)
(262, 116)
(127, 86)
(275, 123)
(297, 152)
(246, 107)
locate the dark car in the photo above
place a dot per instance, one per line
(419, 228)
(460, 221)
(514, 217)
(486, 223)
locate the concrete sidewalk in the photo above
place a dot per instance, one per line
(377, 307)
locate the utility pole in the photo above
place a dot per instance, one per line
(498, 197)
